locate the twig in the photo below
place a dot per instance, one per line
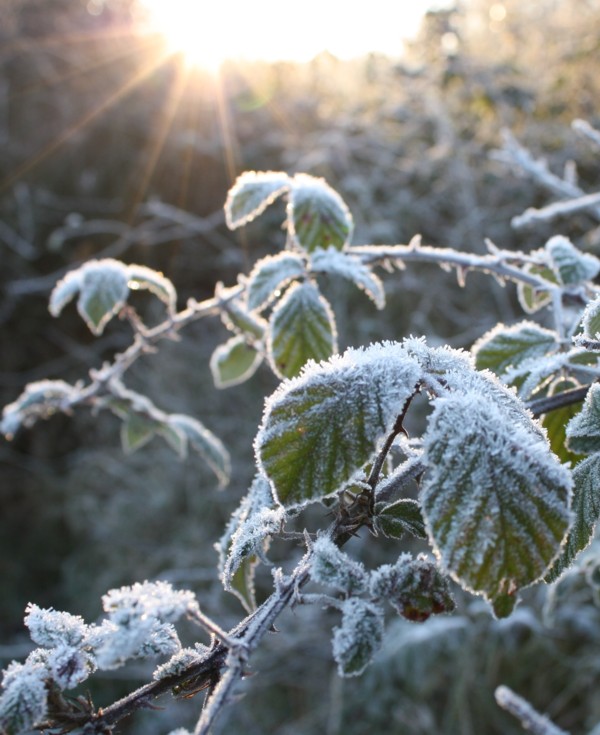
(539, 406)
(557, 209)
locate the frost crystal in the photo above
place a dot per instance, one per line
(331, 566)
(180, 662)
(148, 599)
(50, 628)
(350, 267)
(23, 702)
(359, 637)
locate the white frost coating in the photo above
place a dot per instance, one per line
(142, 277)
(23, 702)
(495, 499)
(359, 637)
(571, 265)
(320, 428)
(156, 600)
(504, 347)
(336, 262)
(591, 319)
(70, 666)
(269, 276)
(50, 628)
(181, 661)
(251, 194)
(39, 400)
(331, 566)
(530, 719)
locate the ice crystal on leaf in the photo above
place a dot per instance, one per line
(495, 499)
(321, 428)
(505, 347)
(23, 701)
(339, 263)
(583, 431)
(331, 566)
(591, 319)
(181, 661)
(269, 275)
(569, 263)
(39, 400)
(251, 194)
(50, 628)
(359, 636)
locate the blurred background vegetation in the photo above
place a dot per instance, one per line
(111, 148)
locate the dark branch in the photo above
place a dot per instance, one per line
(539, 406)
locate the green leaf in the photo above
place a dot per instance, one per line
(141, 277)
(569, 263)
(208, 446)
(236, 317)
(302, 329)
(586, 508)
(103, 292)
(359, 637)
(332, 567)
(399, 518)
(242, 583)
(251, 195)
(64, 291)
(234, 362)
(591, 319)
(318, 216)
(555, 422)
(352, 269)
(269, 276)
(533, 300)
(583, 431)
(505, 347)
(136, 431)
(321, 428)
(495, 499)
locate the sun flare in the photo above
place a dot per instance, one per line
(207, 32)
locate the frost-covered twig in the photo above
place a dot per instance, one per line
(556, 209)
(531, 720)
(584, 128)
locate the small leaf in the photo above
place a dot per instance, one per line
(400, 518)
(64, 291)
(555, 422)
(332, 567)
(349, 267)
(569, 263)
(591, 319)
(251, 195)
(302, 329)
(141, 277)
(531, 299)
(234, 362)
(136, 431)
(359, 637)
(586, 508)
(24, 701)
(103, 292)
(39, 400)
(318, 216)
(583, 431)
(321, 428)
(239, 320)
(414, 587)
(495, 499)
(505, 347)
(271, 274)
(242, 585)
(208, 446)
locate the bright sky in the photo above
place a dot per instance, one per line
(209, 31)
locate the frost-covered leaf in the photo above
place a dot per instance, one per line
(302, 329)
(136, 431)
(332, 567)
(70, 666)
(24, 699)
(336, 262)
(203, 441)
(399, 518)
(269, 276)
(583, 431)
(39, 400)
(531, 299)
(495, 499)
(586, 509)
(556, 422)
(246, 538)
(238, 319)
(591, 319)
(251, 195)
(569, 263)
(359, 637)
(103, 289)
(141, 277)
(321, 428)
(180, 662)
(234, 362)
(156, 600)
(504, 347)
(65, 290)
(51, 628)
(414, 587)
(318, 216)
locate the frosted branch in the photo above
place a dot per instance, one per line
(531, 720)
(586, 130)
(555, 210)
